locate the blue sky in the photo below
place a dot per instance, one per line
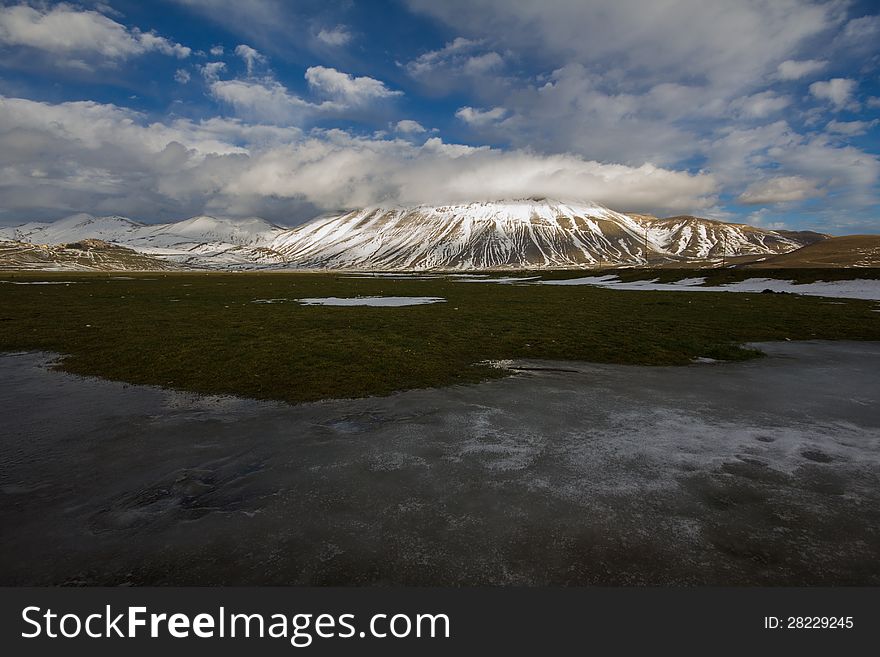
(763, 111)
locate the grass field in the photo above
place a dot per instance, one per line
(201, 332)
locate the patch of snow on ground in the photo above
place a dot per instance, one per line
(853, 289)
(507, 280)
(388, 302)
(40, 282)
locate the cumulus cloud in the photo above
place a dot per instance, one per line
(212, 70)
(335, 37)
(839, 91)
(182, 76)
(72, 32)
(102, 158)
(782, 189)
(409, 127)
(792, 69)
(266, 101)
(478, 117)
(251, 57)
(775, 151)
(217, 51)
(620, 83)
(346, 88)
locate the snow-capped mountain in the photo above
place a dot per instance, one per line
(520, 234)
(198, 242)
(515, 234)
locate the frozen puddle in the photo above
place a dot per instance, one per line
(568, 473)
(854, 289)
(387, 302)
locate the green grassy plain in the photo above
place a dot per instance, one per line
(201, 332)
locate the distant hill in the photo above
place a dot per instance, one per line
(847, 251)
(85, 255)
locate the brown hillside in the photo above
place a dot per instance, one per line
(847, 251)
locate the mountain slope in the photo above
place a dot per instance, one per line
(201, 242)
(74, 228)
(698, 238)
(847, 251)
(85, 255)
(514, 234)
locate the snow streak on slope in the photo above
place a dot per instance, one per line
(695, 237)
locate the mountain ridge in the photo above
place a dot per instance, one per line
(507, 234)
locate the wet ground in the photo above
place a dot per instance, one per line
(765, 472)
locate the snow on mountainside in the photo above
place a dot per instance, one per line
(520, 234)
(74, 228)
(695, 237)
(514, 234)
(203, 241)
(84, 255)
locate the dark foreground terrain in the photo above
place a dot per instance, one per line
(759, 472)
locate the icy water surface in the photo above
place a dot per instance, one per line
(766, 472)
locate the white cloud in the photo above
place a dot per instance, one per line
(409, 127)
(181, 76)
(862, 31)
(782, 189)
(216, 51)
(266, 24)
(740, 155)
(478, 117)
(573, 110)
(267, 101)
(761, 105)
(623, 85)
(792, 69)
(837, 90)
(851, 128)
(69, 31)
(212, 70)
(482, 64)
(101, 158)
(335, 37)
(728, 44)
(429, 61)
(460, 63)
(250, 56)
(345, 88)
